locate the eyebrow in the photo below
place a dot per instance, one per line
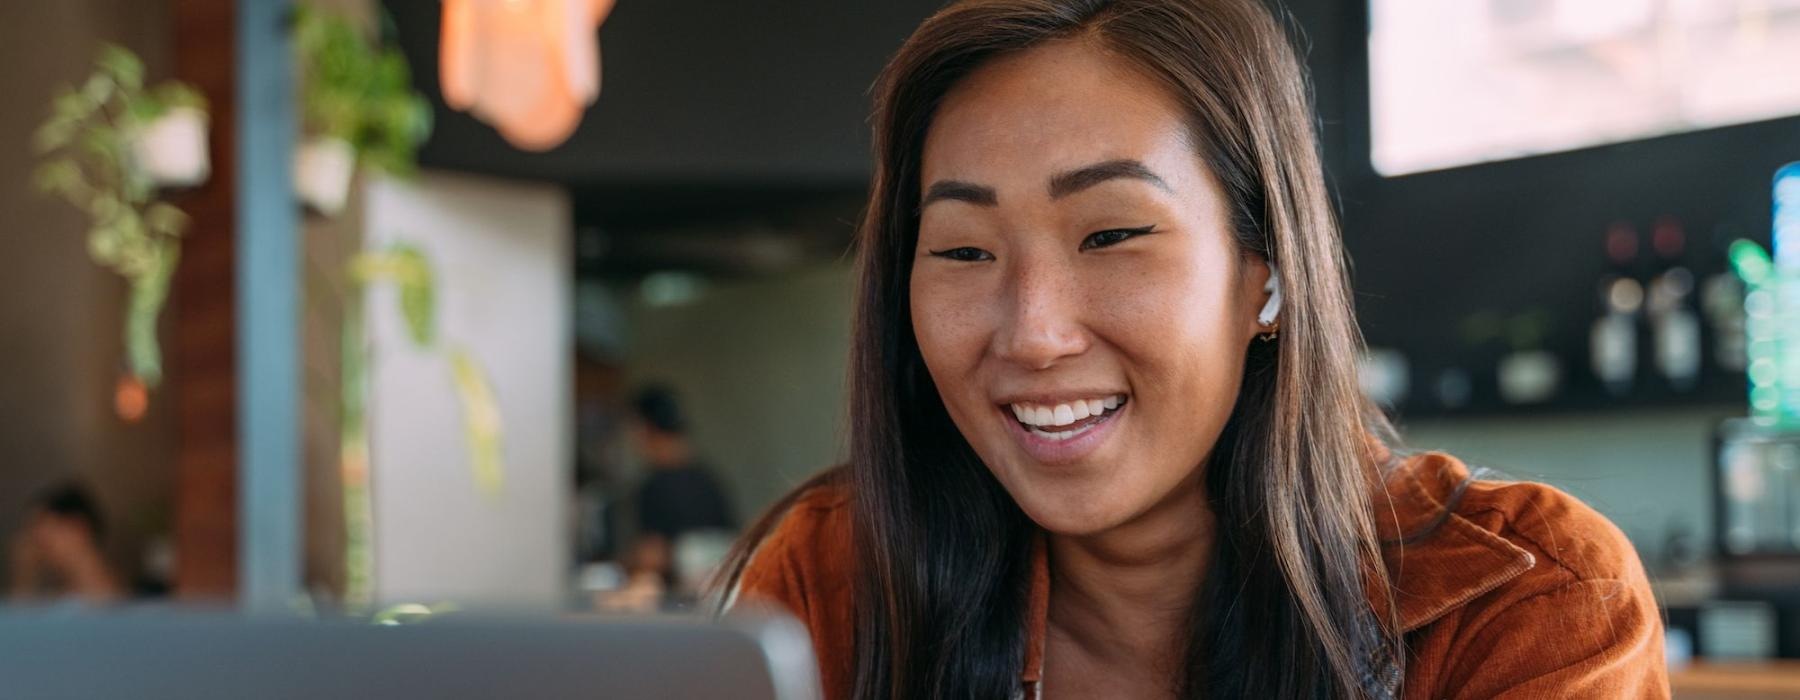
(957, 190)
(1061, 185)
(1065, 184)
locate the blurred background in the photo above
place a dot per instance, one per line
(338, 304)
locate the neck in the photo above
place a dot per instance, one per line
(1126, 594)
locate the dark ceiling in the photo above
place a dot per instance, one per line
(705, 106)
(715, 115)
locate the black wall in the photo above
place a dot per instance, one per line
(714, 109)
(1432, 249)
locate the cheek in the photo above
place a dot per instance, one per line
(946, 326)
(1171, 315)
(1177, 324)
(1176, 327)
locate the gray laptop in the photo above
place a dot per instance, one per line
(51, 657)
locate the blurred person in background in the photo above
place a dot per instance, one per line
(681, 508)
(57, 556)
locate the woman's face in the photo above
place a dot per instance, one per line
(1077, 294)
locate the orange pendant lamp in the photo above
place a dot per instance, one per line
(528, 67)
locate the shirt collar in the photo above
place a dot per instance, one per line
(1037, 612)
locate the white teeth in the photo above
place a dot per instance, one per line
(1039, 416)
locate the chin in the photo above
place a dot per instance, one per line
(1076, 526)
(1070, 510)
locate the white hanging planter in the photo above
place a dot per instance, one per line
(323, 169)
(172, 149)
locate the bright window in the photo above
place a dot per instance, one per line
(1455, 82)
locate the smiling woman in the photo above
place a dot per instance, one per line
(1108, 271)
(1094, 453)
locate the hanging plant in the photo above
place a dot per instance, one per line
(358, 107)
(409, 271)
(406, 267)
(106, 148)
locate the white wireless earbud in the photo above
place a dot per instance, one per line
(1273, 308)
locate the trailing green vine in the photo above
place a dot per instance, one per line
(406, 267)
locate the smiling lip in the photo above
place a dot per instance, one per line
(1048, 449)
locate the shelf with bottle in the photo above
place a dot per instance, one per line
(1669, 324)
(1665, 328)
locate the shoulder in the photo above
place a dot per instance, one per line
(805, 566)
(803, 563)
(816, 521)
(1518, 587)
(1569, 540)
(1436, 502)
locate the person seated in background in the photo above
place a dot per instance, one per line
(679, 505)
(57, 555)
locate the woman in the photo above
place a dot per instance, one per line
(1106, 436)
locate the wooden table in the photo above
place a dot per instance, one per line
(1737, 681)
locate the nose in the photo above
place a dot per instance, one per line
(1041, 322)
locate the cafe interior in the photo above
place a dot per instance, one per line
(381, 311)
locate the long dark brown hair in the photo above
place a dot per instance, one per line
(942, 551)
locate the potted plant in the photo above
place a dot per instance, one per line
(358, 108)
(107, 147)
(171, 148)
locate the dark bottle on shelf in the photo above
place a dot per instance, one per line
(1721, 301)
(1674, 324)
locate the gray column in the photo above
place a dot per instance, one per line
(268, 314)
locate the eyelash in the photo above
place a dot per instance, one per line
(1090, 243)
(963, 254)
(968, 254)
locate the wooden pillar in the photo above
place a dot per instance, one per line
(203, 319)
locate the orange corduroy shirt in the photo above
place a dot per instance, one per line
(1522, 592)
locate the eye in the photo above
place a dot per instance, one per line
(964, 254)
(1115, 236)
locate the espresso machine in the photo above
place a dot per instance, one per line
(1756, 492)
